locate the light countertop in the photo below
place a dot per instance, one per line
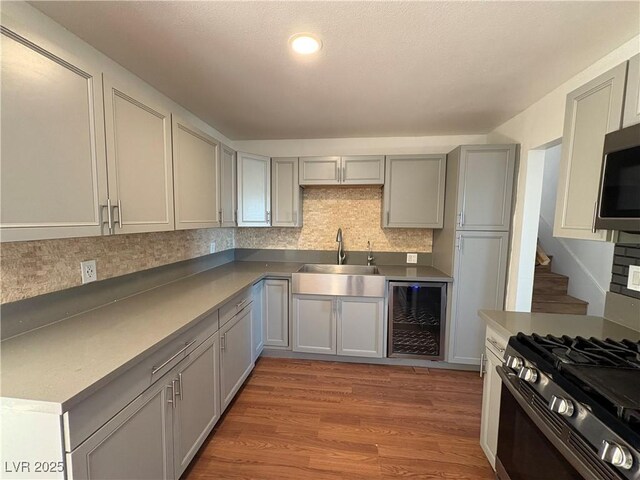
(59, 365)
(511, 323)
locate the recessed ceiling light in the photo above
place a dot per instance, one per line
(305, 43)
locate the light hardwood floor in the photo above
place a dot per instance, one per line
(298, 419)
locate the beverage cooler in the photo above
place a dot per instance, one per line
(417, 319)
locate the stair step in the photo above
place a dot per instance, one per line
(549, 283)
(559, 304)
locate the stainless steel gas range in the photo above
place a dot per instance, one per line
(570, 409)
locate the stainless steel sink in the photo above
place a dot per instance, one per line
(343, 280)
(339, 269)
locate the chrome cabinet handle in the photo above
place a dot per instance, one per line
(388, 217)
(593, 221)
(461, 218)
(154, 370)
(483, 359)
(223, 342)
(268, 215)
(172, 400)
(220, 216)
(495, 344)
(241, 304)
(235, 217)
(338, 173)
(344, 174)
(179, 392)
(459, 242)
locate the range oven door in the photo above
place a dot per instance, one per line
(534, 445)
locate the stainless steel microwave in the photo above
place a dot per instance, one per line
(618, 205)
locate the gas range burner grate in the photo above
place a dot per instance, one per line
(582, 351)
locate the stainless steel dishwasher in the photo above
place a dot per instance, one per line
(417, 313)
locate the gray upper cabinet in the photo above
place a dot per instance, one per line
(197, 402)
(479, 284)
(362, 170)
(140, 166)
(54, 177)
(414, 191)
(319, 170)
(349, 170)
(195, 177)
(254, 190)
(592, 111)
(286, 193)
(227, 187)
(485, 186)
(632, 95)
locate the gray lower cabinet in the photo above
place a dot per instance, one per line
(197, 401)
(158, 433)
(136, 443)
(413, 194)
(276, 312)
(285, 193)
(360, 326)
(479, 273)
(258, 326)
(485, 185)
(314, 324)
(236, 359)
(631, 114)
(351, 326)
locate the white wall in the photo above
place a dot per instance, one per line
(358, 146)
(587, 263)
(534, 128)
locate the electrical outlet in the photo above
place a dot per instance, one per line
(412, 258)
(89, 271)
(212, 247)
(633, 282)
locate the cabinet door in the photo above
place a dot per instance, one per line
(314, 324)
(490, 408)
(235, 357)
(363, 170)
(276, 312)
(360, 323)
(258, 320)
(480, 271)
(139, 159)
(485, 187)
(287, 201)
(228, 210)
(414, 191)
(136, 443)
(54, 171)
(632, 95)
(319, 170)
(197, 407)
(195, 177)
(592, 111)
(254, 190)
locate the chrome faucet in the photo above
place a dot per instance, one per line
(370, 257)
(341, 254)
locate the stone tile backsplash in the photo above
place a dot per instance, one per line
(33, 268)
(357, 210)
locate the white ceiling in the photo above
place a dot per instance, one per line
(386, 69)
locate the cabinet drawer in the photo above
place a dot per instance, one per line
(495, 343)
(233, 306)
(93, 412)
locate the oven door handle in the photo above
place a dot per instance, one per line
(510, 380)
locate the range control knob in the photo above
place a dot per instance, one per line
(615, 454)
(560, 405)
(528, 374)
(515, 363)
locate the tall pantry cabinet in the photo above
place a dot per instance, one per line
(473, 244)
